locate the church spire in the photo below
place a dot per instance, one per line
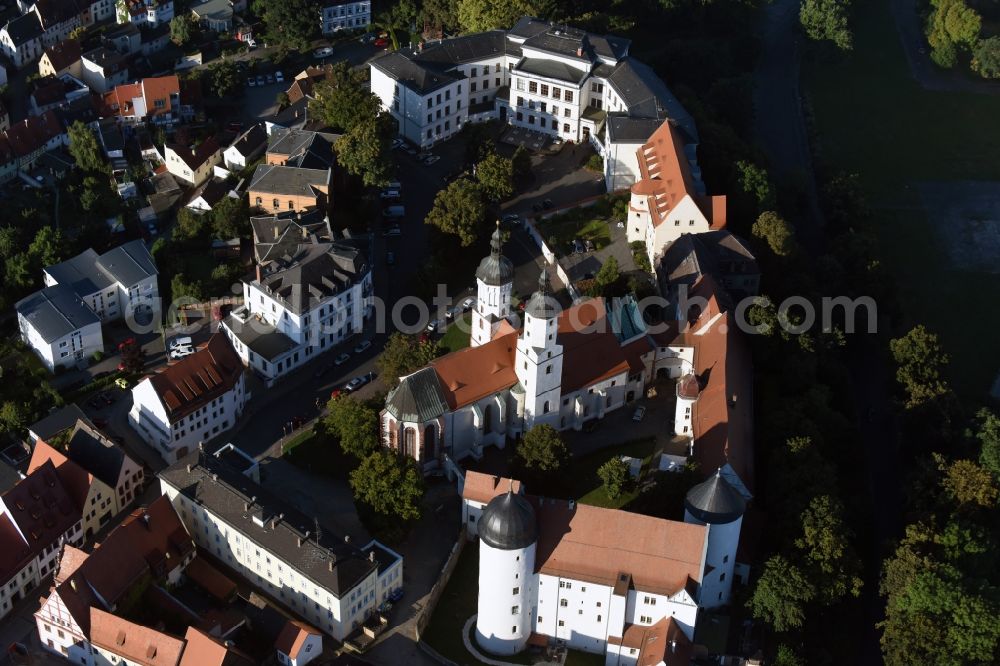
(542, 304)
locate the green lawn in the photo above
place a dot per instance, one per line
(457, 335)
(874, 120)
(587, 487)
(582, 223)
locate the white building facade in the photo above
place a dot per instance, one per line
(59, 327)
(336, 16)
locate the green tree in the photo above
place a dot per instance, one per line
(496, 175)
(402, 355)
(439, 16)
(781, 594)
(48, 247)
(827, 20)
(776, 232)
(225, 78)
(13, 418)
(521, 162)
(987, 432)
(967, 484)
(543, 451)
(190, 225)
(364, 150)
(482, 15)
(754, 181)
(181, 288)
(390, 484)
(786, 656)
(355, 424)
(825, 543)
(84, 148)
(920, 362)
(459, 209)
(289, 23)
(951, 27)
(281, 99)
(607, 279)
(986, 58)
(17, 271)
(181, 29)
(230, 218)
(614, 474)
(341, 100)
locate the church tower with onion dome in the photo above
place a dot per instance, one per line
(494, 281)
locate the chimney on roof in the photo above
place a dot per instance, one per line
(145, 520)
(572, 505)
(579, 52)
(189, 468)
(347, 538)
(259, 276)
(274, 523)
(329, 565)
(732, 401)
(673, 646)
(371, 556)
(215, 477)
(72, 584)
(201, 447)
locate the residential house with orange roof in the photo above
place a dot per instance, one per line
(557, 367)
(116, 640)
(668, 200)
(192, 164)
(151, 546)
(28, 140)
(156, 99)
(191, 401)
(37, 516)
(201, 649)
(298, 644)
(598, 580)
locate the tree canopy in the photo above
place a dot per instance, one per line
(364, 150)
(341, 100)
(827, 20)
(404, 354)
(224, 78)
(920, 361)
(614, 474)
(181, 29)
(986, 58)
(951, 27)
(781, 594)
(776, 232)
(482, 15)
(84, 148)
(289, 23)
(390, 484)
(542, 450)
(459, 209)
(355, 424)
(496, 176)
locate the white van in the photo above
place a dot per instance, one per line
(185, 341)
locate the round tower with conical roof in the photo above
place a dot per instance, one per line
(508, 535)
(720, 506)
(540, 357)
(494, 281)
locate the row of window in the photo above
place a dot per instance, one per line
(543, 89)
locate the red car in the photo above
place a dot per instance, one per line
(381, 42)
(335, 393)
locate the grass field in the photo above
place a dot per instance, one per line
(581, 223)
(874, 120)
(587, 486)
(457, 335)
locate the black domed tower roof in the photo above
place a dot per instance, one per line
(496, 269)
(542, 304)
(715, 501)
(508, 522)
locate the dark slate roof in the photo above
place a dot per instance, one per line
(313, 273)
(528, 26)
(288, 180)
(422, 78)
(24, 28)
(251, 140)
(496, 269)
(418, 398)
(551, 69)
(563, 41)
(715, 501)
(58, 421)
(129, 263)
(624, 129)
(508, 522)
(54, 12)
(468, 48)
(80, 273)
(305, 149)
(325, 558)
(94, 452)
(277, 235)
(109, 61)
(212, 191)
(716, 253)
(542, 303)
(56, 312)
(647, 96)
(263, 339)
(9, 477)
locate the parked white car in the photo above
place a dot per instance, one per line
(181, 352)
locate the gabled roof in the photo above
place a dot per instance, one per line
(75, 479)
(716, 253)
(204, 650)
(110, 61)
(55, 312)
(88, 273)
(197, 156)
(212, 191)
(94, 452)
(302, 148)
(41, 510)
(32, 133)
(23, 29)
(53, 12)
(313, 273)
(289, 181)
(422, 78)
(479, 487)
(58, 421)
(293, 637)
(64, 54)
(134, 642)
(198, 379)
(661, 643)
(474, 373)
(250, 141)
(281, 234)
(418, 398)
(595, 544)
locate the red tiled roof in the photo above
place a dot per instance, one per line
(42, 511)
(482, 488)
(118, 101)
(159, 88)
(138, 644)
(663, 642)
(69, 561)
(600, 545)
(203, 650)
(211, 579)
(75, 479)
(199, 378)
(476, 372)
(293, 636)
(33, 133)
(665, 178)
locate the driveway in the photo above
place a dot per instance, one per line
(424, 554)
(559, 177)
(579, 264)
